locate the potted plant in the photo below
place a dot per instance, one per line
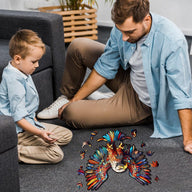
(73, 4)
(79, 18)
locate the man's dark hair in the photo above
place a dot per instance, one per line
(122, 9)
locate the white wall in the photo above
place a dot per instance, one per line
(5, 4)
(104, 13)
(29, 4)
(179, 11)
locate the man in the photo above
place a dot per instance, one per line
(145, 63)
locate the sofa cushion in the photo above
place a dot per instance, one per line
(4, 52)
(8, 136)
(44, 83)
(46, 60)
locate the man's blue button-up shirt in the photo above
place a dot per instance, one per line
(166, 67)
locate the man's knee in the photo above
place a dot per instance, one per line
(69, 113)
(73, 116)
(78, 46)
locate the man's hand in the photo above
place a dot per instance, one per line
(188, 147)
(185, 116)
(60, 111)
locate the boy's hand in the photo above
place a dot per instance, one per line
(47, 137)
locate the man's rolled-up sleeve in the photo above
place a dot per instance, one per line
(108, 64)
(179, 77)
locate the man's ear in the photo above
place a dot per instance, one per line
(147, 20)
(17, 59)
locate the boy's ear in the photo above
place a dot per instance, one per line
(17, 59)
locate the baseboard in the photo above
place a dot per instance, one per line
(187, 31)
(105, 23)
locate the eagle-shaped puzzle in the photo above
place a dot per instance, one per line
(118, 156)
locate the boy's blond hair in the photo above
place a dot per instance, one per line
(22, 40)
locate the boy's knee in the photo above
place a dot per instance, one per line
(57, 155)
(67, 136)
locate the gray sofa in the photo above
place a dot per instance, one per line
(47, 79)
(189, 41)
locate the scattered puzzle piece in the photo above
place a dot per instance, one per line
(150, 153)
(79, 185)
(143, 144)
(93, 134)
(81, 171)
(82, 154)
(154, 164)
(86, 143)
(156, 178)
(134, 132)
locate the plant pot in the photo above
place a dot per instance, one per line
(76, 23)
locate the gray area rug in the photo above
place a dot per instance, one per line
(174, 170)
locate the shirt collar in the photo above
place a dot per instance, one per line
(15, 69)
(149, 38)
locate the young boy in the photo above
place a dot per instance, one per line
(38, 143)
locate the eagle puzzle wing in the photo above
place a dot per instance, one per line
(137, 165)
(97, 167)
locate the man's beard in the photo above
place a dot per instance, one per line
(137, 39)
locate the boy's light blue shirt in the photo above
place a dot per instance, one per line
(166, 67)
(18, 96)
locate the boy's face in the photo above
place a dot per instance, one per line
(31, 61)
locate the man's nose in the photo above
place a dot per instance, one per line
(125, 37)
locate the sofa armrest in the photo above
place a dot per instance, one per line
(8, 135)
(9, 172)
(48, 26)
